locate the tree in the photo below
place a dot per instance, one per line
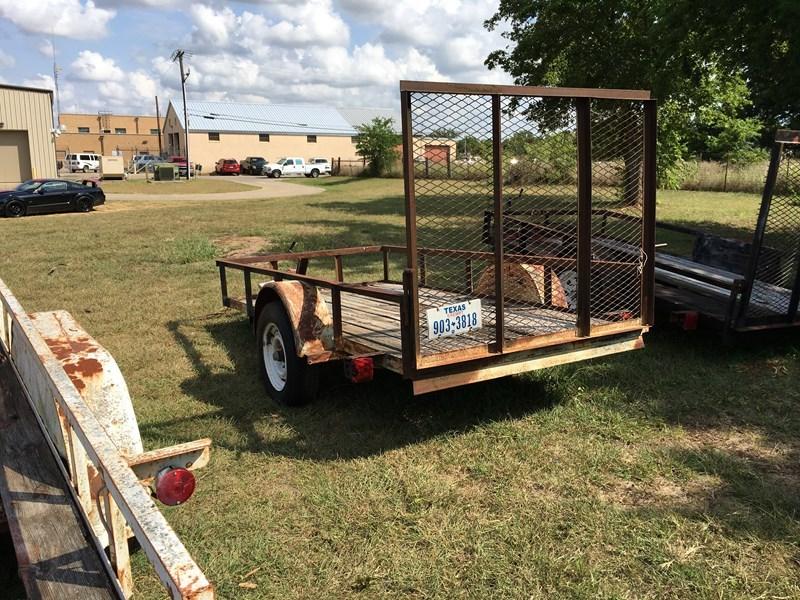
(377, 142)
(648, 44)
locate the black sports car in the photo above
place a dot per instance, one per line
(37, 196)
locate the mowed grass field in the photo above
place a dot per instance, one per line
(670, 472)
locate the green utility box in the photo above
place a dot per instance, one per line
(165, 172)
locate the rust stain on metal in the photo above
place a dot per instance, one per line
(311, 321)
(82, 370)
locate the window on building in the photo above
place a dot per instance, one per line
(213, 136)
(311, 139)
(120, 130)
(106, 131)
(154, 132)
(263, 137)
(354, 139)
(83, 130)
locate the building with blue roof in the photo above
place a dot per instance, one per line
(272, 131)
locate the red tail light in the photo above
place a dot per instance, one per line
(360, 369)
(174, 485)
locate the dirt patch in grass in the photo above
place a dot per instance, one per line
(661, 492)
(233, 246)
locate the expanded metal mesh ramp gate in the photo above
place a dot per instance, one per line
(538, 203)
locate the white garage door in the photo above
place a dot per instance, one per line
(15, 158)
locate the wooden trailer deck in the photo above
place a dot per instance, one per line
(375, 323)
(56, 556)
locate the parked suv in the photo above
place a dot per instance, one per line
(82, 162)
(145, 161)
(253, 165)
(227, 166)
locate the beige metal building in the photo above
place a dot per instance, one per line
(238, 130)
(27, 149)
(106, 134)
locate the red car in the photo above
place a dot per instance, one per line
(181, 162)
(227, 166)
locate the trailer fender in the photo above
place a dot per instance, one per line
(308, 313)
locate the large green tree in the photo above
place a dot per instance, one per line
(702, 60)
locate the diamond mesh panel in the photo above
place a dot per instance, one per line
(452, 147)
(617, 184)
(540, 221)
(778, 264)
(453, 181)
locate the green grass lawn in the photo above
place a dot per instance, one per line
(670, 472)
(202, 185)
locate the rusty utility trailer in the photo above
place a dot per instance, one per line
(735, 286)
(458, 312)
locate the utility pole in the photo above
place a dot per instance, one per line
(178, 56)
(56, 71)
(158, 124)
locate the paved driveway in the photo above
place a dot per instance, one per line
(267, 188)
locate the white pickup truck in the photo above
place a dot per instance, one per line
(293, 165)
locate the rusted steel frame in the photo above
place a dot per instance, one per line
(409, 325)
(248, 293)
(259, 258)
(410, 285)
(555, 261)
(511, 364)
(385, 253)
(499, 240)
(174, 567)
(336, 303)
(469, 286)
(361, 289)
(758, 237)
(223, 285)
(462, 360)
(584, 137)
(605, 212)
(520, 90)
(648, 279)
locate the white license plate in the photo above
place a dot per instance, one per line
(454, 319)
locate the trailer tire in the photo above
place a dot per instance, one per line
(289, 379)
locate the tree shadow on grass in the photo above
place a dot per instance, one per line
(346, 421)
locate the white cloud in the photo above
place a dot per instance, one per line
(68, 18)
(93, 66)
(283, 51)
(6, 60)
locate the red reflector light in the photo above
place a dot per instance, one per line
(174, 486)
(360, 369)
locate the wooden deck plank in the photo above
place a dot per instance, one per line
(56, 557)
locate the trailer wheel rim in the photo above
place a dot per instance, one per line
(274, 353)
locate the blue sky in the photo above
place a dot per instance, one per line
(114, 55)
